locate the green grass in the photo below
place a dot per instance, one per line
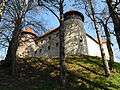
(83, 73)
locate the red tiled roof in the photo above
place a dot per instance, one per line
(29, 31)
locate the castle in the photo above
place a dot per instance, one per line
(77, 41)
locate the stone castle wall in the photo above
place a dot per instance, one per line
(48, 44)
(27, 46)
(75, 40)
(75, 37)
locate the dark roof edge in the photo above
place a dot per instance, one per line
(49, 32)
(24, 32)
(57, 29)
(75, 13)
(91, 38)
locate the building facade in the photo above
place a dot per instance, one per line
(77, 42)
(27, 44)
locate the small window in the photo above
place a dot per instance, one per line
(81, 40)
(48, 47)
(36, 52)
(41, 41)
(56, 44)
(40, 50)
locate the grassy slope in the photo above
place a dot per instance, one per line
(83, 73)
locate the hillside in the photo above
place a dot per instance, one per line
(83, 73)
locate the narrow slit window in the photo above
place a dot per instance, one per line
(40, 50)
(48, 47)
(57, 44)
(36, 52)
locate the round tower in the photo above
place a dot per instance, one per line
(75, 36)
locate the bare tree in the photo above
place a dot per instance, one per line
(90, 12)
(2, 7)
(107, 34)
(59, 5)
(14, 17)
(62, 46)
(112, 6)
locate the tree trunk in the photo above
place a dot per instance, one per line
(116, 20)
(110, 51)
(62, 47)
(105, 63)
(12, 49)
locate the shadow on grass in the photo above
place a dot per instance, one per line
(87, 59)
(43, 74)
